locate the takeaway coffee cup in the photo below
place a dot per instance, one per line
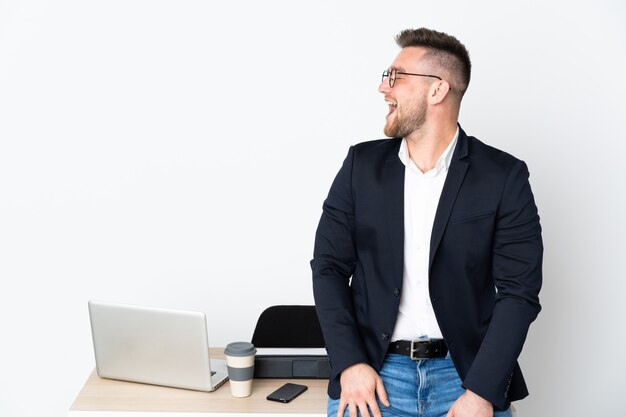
(240, 363)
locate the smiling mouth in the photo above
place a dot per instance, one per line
(392, 106)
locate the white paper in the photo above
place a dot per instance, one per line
(291, 351)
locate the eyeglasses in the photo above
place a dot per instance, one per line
(391, 74)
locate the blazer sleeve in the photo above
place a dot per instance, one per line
(516, 269)
(334, 261)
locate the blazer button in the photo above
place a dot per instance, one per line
(384, 337)
(396, 292)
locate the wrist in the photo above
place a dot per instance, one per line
(477, 398)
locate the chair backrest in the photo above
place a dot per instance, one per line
(288, 326)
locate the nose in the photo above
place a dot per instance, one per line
(383, 87)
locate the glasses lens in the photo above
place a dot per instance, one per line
(385, 75)
(392, 78)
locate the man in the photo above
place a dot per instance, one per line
(427, 260)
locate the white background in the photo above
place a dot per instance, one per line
(177, 154)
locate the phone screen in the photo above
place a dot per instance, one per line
(287, 392)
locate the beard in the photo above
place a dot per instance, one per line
(402, 126)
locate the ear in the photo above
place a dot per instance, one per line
(438, 91)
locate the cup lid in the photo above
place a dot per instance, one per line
(239, 349)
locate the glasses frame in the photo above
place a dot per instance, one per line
(391, 74)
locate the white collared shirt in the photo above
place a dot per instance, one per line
(416, 317)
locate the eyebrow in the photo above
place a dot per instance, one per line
(397, 68)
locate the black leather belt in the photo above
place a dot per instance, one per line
(419, 349)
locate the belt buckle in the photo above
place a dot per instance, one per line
(414, 349)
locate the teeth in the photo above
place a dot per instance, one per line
(391, 103)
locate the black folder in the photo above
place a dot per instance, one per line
(292, 366)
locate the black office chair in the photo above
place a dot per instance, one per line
(288, 326)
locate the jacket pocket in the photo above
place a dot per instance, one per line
(473, 216)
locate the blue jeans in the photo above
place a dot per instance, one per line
(423, 388)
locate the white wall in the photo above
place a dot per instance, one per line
(177, 154)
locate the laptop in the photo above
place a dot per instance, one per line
(154, 346)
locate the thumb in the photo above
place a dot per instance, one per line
(382, 394)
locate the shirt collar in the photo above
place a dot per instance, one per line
(443, 163)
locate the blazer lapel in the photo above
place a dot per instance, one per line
(454, 179)
(393, 183)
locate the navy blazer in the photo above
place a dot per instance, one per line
(485, 263)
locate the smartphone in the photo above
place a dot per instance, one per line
(287, 392)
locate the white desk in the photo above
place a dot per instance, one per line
(108, 398)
